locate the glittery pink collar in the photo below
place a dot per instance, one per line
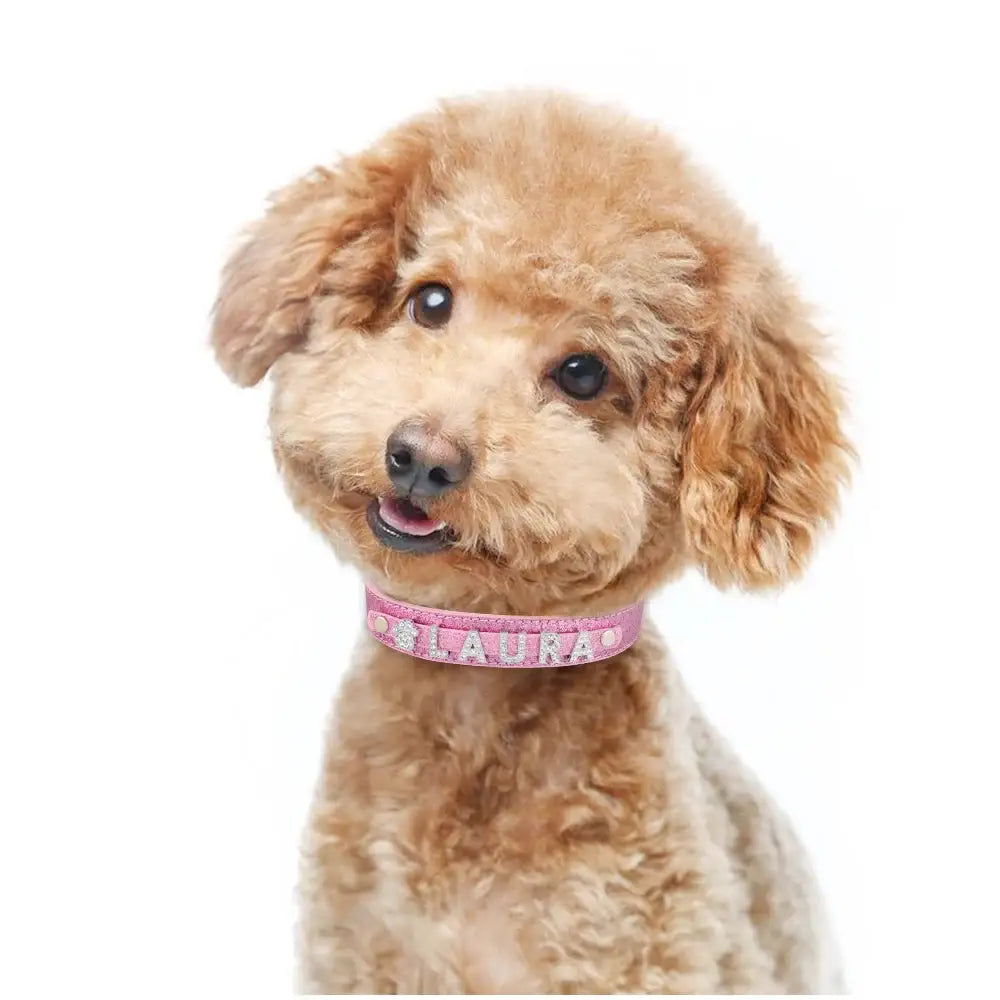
(499, 640)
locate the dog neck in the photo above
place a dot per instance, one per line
(505, 641)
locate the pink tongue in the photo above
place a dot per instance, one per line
(405, 517)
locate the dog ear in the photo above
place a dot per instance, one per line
(334, 234)
(763, 455)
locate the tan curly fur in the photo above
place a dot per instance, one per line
(564, 830)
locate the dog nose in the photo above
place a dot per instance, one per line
(424, 463)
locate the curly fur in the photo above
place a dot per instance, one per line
(578, 830)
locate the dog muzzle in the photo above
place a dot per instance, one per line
(499, 640)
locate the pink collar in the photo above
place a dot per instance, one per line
(499, 640)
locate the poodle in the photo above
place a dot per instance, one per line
(529, 364)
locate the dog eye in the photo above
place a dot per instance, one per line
(581, 376)
(430, 305)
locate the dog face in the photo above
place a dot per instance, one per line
(525, 356)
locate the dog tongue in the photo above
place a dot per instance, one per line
(406, 517)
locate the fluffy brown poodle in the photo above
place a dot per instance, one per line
(610, 379)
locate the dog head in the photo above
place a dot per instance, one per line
(525, 356)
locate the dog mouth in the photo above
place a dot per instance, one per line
(401, 525)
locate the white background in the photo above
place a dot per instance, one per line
(172, 635)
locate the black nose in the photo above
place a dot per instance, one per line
(424, 463)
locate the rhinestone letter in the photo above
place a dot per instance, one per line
(548, 648)
(522, 648)
(472, 648)
(582, 649)
(435, 651)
